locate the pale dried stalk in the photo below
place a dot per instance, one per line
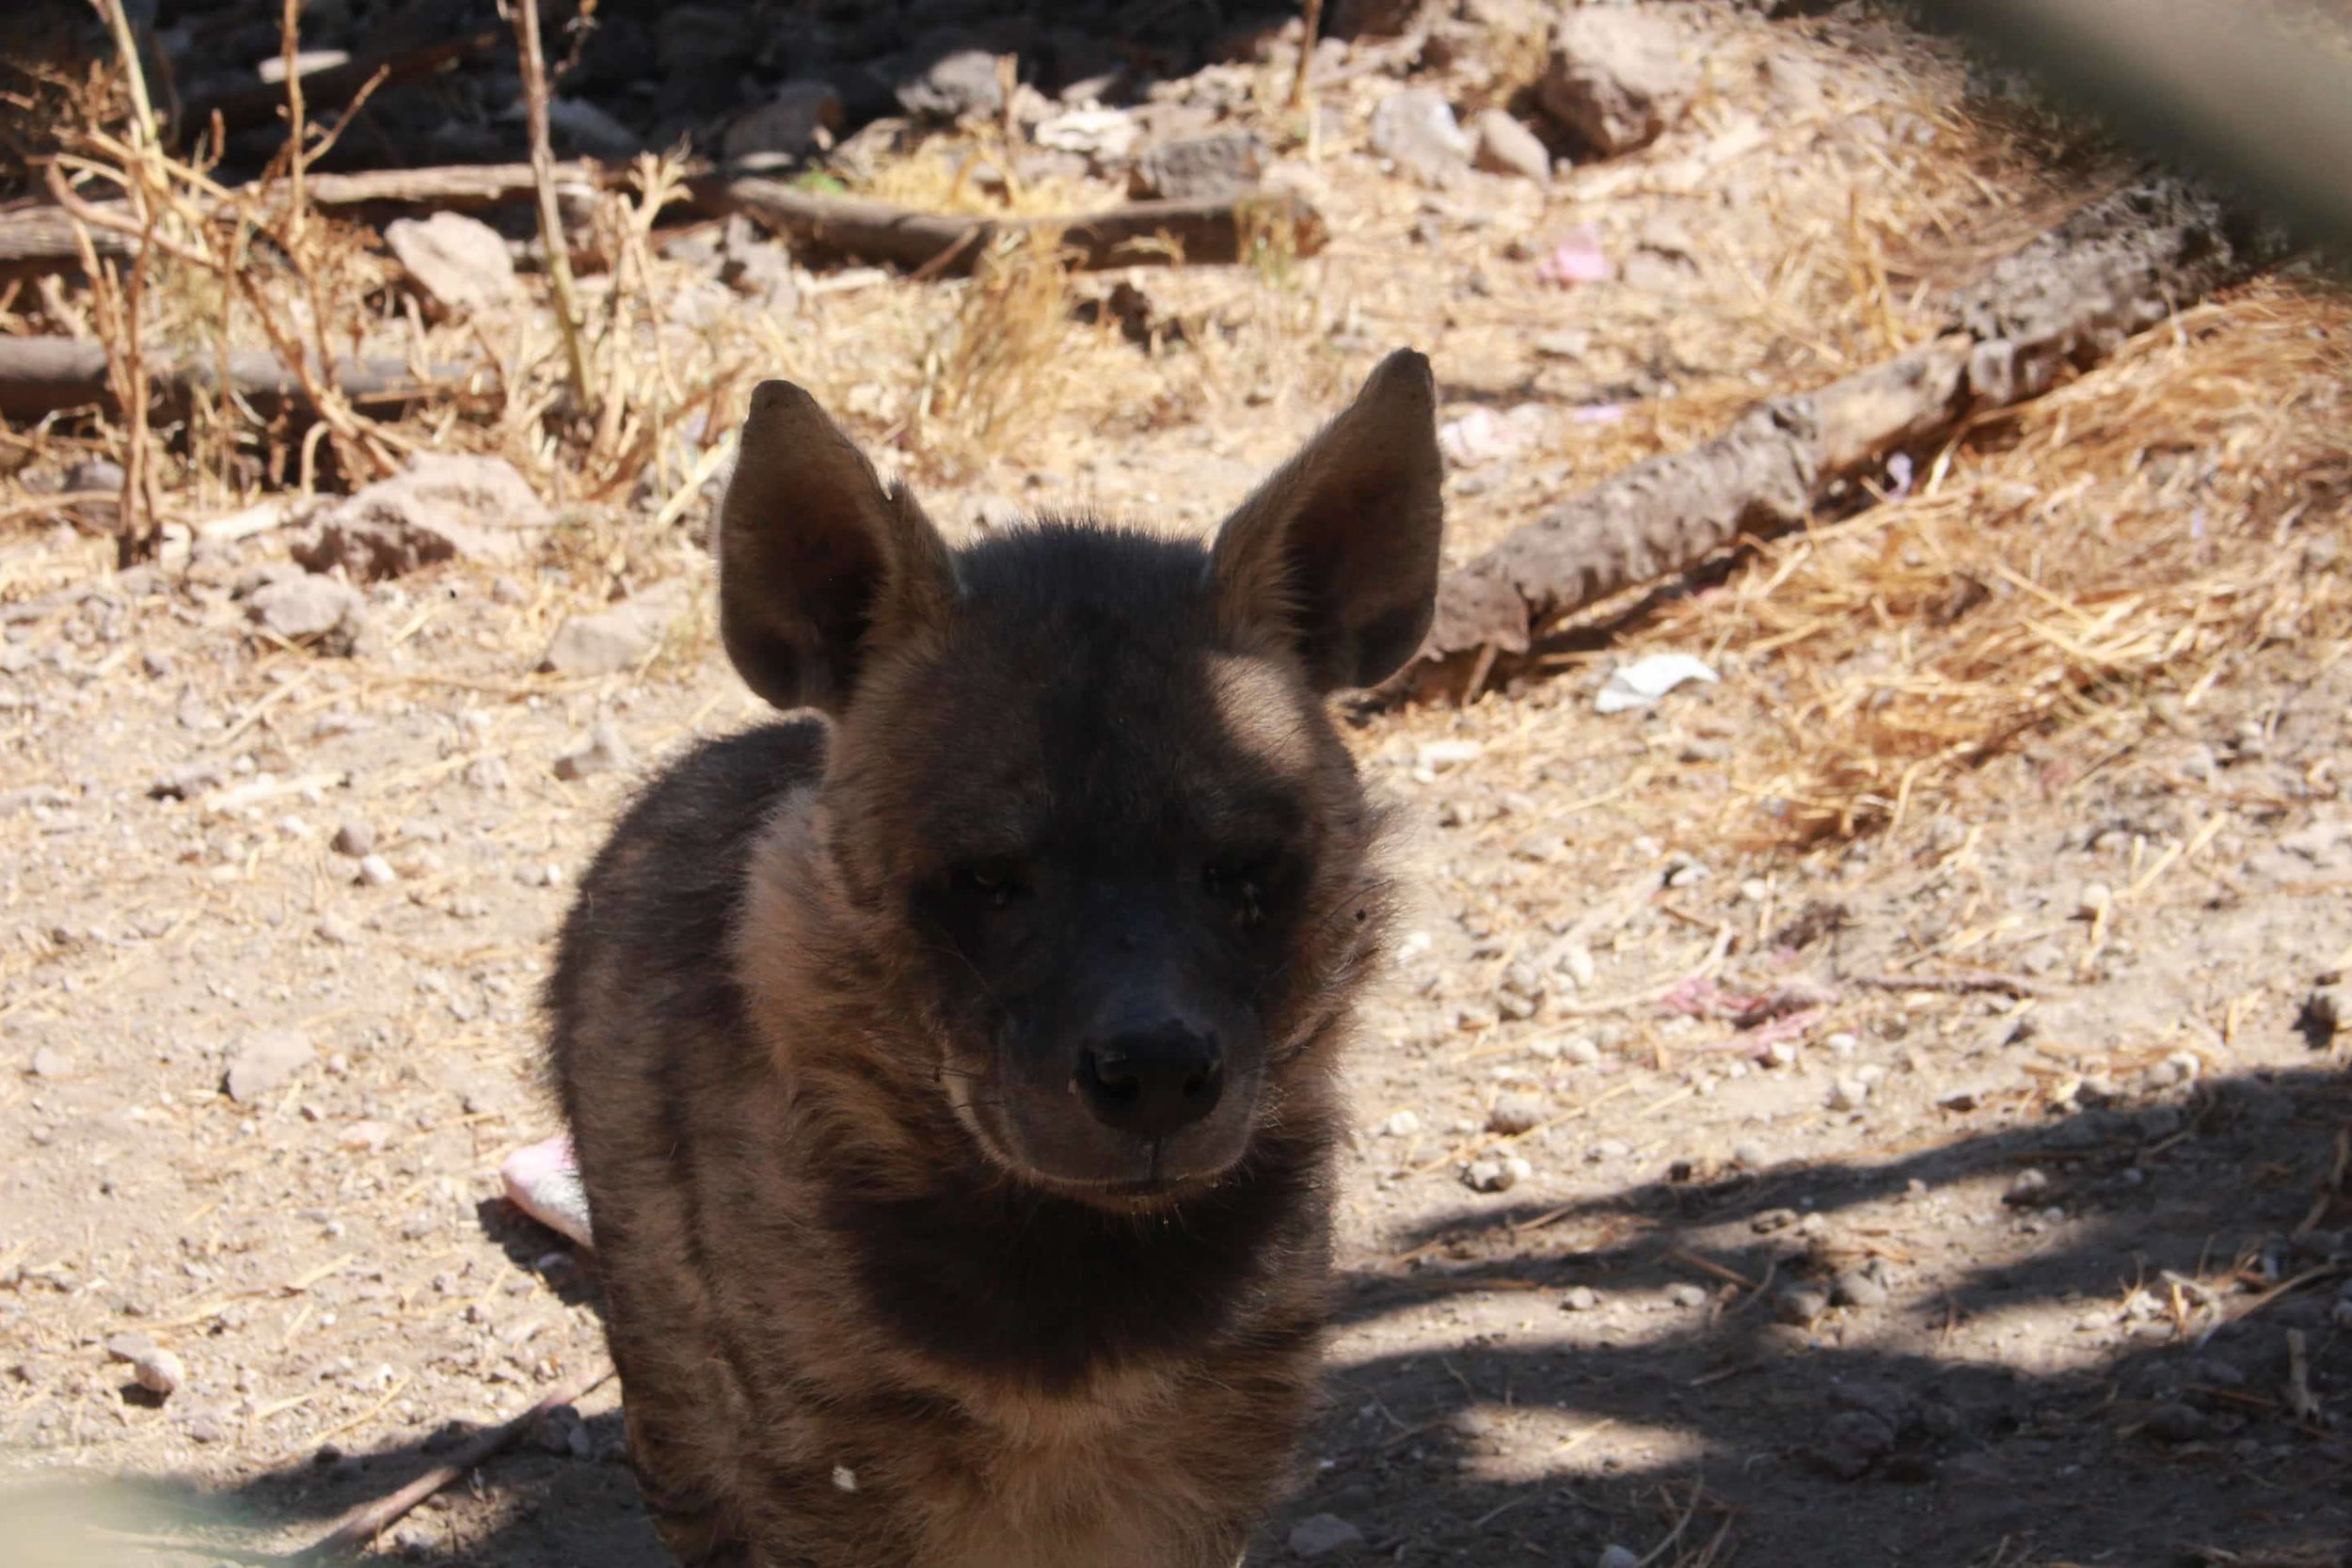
(567, 318)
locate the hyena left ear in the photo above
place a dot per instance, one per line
(819, 566)
(1337, 554)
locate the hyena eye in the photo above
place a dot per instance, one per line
(1246, 882)
(994, 883)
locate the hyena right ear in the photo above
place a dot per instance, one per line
(819, 566)
(1337, 554)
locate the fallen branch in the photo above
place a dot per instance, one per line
(1139, 233)
(41, 375)
(40, 240)
(2069, 298)
(258, 102)
(362, 1525)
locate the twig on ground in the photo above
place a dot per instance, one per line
(362, 1525)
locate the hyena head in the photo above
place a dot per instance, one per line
(1083, 807)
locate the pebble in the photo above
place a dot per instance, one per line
(1400, 1124)
(264, 1063)
(1439, 756)
(1474, 1017)
(615, 640)
(1617, 1556)
(1496, 1174)
(2095, 900)
(48, 1062)
(1415, 127)
(336, 931)
(1801, 1305)
(2029, 1183)
(375, 871)
(461, 263)
(1856, 1287)
(156, 1369)
(354, 838)
(601, 751)
(2178, 1423)
(1321, 1534)
(205, 1428)
(308, 606)
(1751, 1156)
(1517, 1111)
(1618, 77)
(1505, 146)
(1686, 1295)
(1582, 1052)
(1579, 1298)
(1849, 1094)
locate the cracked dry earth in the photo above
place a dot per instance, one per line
(1696, 1215)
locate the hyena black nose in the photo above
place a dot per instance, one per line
(1152, 1083)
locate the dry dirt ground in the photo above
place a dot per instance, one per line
(1898, 1272)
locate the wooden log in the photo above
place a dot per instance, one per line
(1139, 233)
(2067, 299)
(37, 240)
(41, 375)
(257, 102)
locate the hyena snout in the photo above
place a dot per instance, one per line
(1152, 1081)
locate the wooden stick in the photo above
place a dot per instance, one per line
(249, 104)
(40, 375)
(40, 240)
(1139, 233)
(551, 236)
(364, 1524)
(2065, 300)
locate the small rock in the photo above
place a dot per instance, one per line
(457, 263)
(204, 1427)
(354, 838)
(1751, 1155)
(583, 129)
(1686, 1294)
(49, 1062)
(561, 1431)
(2095, 900)
(1617, 1556)
(2176, 1423)
(1492, 1175)
(264, 1063)
(1507, 146)
(961, 83)
(602, 750)
(2027, 1188)
(1618, 77)
(1579, 1298)
(335, 931)
(375, 871)
(1322, 1534)
(1474, 1017)
(1852, 1442)
(1582, 1052)
(159, 1372)
(307, 606)
(1402, 1124)
(2325, 1012)
(1439, 756)
(1849, 1094)
(1801, 1305)
(1200, 168)
(441, 506)
(1517, 1111)
(786, 126)
(1415, 128)
(1856, 1287)
(1099, 136)
(614, 639)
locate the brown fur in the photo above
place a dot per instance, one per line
(881, 1293)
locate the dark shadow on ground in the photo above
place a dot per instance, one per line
(1849, 1441)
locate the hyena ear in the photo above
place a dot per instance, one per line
(1337, 554)
(819, 566)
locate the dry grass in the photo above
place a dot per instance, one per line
(2124, 537)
